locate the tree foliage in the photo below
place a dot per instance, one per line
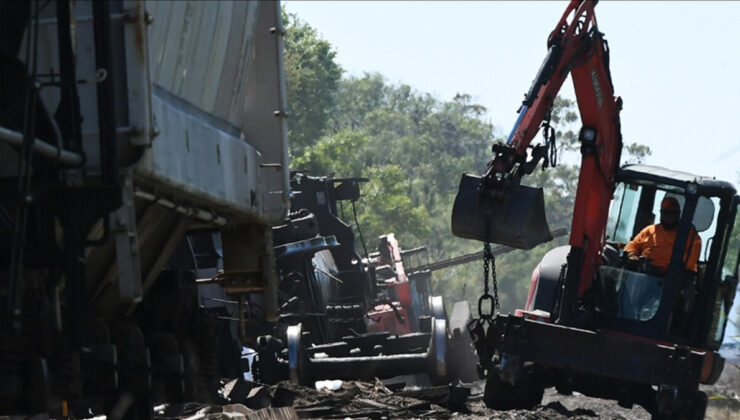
(413, 148)
(312, 75)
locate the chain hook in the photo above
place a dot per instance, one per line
(489, 270)
(484, 298)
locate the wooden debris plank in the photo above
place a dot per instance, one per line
(271, 413)
(315, 411)
(377, 404)
(358, 414)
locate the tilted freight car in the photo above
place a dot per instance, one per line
(124, 125)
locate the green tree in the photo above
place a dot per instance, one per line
(414, 144)
(636, 152)
(413, 147)
(312, 76)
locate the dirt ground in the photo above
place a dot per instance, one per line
(363, 400)
(724, 396)
(724, 404)
(557, 406)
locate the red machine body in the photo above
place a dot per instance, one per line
(586, 325)
(577, 48)
(384, 318)
(392, 316)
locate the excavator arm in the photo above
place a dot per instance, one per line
(499, 209)
(569, 44)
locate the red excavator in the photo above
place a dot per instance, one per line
(592, 323)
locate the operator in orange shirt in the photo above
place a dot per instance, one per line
(655, 242)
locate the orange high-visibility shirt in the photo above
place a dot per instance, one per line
(656, 243)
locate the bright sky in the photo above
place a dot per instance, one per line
(676, 65)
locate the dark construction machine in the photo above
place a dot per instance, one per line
(345, 315)
(590, 324)
(349, 315)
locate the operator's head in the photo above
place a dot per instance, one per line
(670, 212)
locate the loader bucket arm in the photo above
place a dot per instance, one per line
(502, 211)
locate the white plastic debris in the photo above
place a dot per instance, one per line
(329, 384)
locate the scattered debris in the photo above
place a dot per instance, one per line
(375, 400)
(450, 397)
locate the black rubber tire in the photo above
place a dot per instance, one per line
(496, 394)
(699, 406)
(533, 390)
(692, 410)
(526, 393)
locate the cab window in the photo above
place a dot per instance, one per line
(635, 206)
(628, 294)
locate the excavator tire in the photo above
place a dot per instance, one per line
(699, 406)
(695, 409)
(526, 393)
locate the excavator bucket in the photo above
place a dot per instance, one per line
(517, 220)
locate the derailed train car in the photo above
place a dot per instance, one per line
(126, 125)
(344, 312)
(347, 313)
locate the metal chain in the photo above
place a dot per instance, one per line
(489, 259)
(481, 327)
(486, 251)
(489, 269)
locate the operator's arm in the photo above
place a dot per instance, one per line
(636, 246)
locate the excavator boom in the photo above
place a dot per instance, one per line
(496, 208)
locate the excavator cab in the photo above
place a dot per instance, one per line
(686, 304)
(636, 335)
